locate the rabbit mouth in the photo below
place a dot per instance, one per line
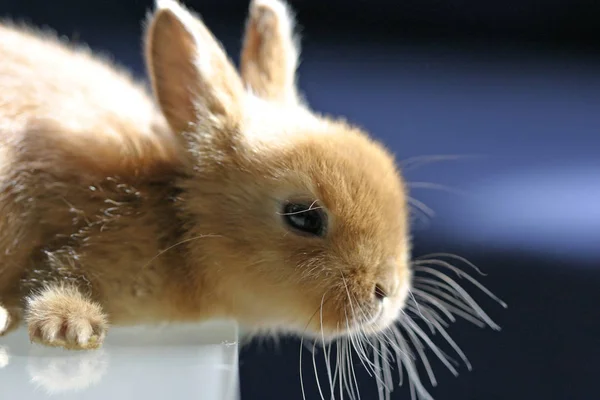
(368, 321)
(371, 320)
(385, 316)
(385, 313)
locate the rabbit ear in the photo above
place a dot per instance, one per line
(270, 52)
(192, 77)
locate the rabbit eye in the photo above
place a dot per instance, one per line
(305, 218)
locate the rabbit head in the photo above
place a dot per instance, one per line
(303, 217)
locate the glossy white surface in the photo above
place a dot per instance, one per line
(162, 362)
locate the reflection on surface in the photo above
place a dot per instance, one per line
(77, 372)
(4, 357)
(184, 361)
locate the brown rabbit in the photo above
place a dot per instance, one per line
(231, 199)
(254, 208)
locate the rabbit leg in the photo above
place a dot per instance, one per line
(61, 315)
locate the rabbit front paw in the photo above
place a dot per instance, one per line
(63, 317)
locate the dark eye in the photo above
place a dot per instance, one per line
(305, 218)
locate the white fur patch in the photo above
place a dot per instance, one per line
(275, 123)
(3, 319)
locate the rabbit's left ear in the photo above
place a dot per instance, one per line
(192, 77)
(270, 51)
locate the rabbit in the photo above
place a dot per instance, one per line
(210, 193)
(214, 194)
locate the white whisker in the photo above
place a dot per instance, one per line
(429, 299)
(360, 349)
(301, 378)
(317, 373)
(448, 304)
(160, 253)
(326, 354)
(435, 186)
(416, 303)
(435, 299)
(352, 371)
(345, 383)
(341, 345)
(453, 344)
(301, 348)
(460, 310)
(462, 274)
(414, 381)
(422, 356)
(431, 256)
(463, 294)
(417, 162)
(301, 211)
(380, 383)
(420, 206)
(387, 369)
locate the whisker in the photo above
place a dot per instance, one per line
(411, 294)
(387, 369)
(381, 386)
(178, 244)
(400, 355)
(414, 382)
(342, 361)
(436, 300)
(426, 281)
(447, 303)
(451, 256)
(453, 344)
(300, 367)
(301, 346)
(422, 356)
(351, 368)
(357, 344)
(332, 377)
(462, 274)
(427, 298)
(419, 205)
(417, 162)
(310, 208)
(435, 186)
(317, 373)
(464, 295)
(341, 344)
(326, 354)
(462, 310)
(443, 357)
(301, 211)
(359, 349)
(338, 372)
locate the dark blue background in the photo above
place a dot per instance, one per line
(515, 83)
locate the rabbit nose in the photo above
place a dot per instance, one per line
(380, 292)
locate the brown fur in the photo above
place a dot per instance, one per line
(108, 217)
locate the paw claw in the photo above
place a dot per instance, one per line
(72, 333)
